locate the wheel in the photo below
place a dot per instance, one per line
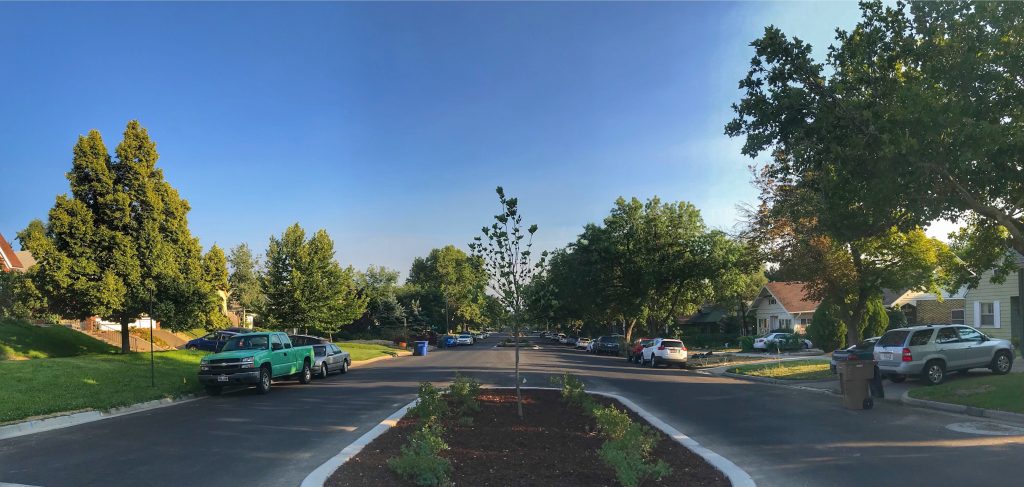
(323, 370)
(306, 375)
(897, 378)
(654, 361)
(869, 403)
(1002, 363)
(344, 367)
(264, 386)
(934, 372)
(213, 390)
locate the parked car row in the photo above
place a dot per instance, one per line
(258, 359)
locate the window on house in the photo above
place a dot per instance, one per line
(988, 314)
(805, 321)
(772, 301)
(957, 317)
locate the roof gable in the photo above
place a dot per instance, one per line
(8, 258)
(792, 296)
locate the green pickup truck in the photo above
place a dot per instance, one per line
(256, 359)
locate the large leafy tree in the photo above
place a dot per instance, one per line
(914, 115)
(244, 280)
(119, 244)
(215, 275)
(449, 285)
(306, 287)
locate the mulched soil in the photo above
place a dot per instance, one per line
(554, 445)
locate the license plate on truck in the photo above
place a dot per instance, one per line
(222, 378)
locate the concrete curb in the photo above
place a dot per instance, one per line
(961, 409)
(75, 419)
(318, 477)
(736, 475)
(378, 359)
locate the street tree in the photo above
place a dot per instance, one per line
(244, 280)
(913, 115)
(449, 285)
(505, 249)
(306, 287)
(119, 245)
(215, 275)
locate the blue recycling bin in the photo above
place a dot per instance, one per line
(421, 348)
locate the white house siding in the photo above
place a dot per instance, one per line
(764, 313)
(999, 295)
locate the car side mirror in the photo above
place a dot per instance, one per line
(276, 346)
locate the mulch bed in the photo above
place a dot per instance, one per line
(554, 445)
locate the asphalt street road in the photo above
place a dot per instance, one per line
(781, 436)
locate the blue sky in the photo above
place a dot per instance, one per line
(390, 124)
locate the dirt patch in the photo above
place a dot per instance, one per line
(554, 445)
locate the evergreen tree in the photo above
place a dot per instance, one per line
(120, 245)
(244, 280)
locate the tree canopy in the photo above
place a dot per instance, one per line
(449, 286)
(120, 242)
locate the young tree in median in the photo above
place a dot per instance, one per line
(508, 260)
(119, 244)
(305, 286)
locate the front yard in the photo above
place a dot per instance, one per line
(366, 351)
(787, 370)
(48, 386)
(1001, 392)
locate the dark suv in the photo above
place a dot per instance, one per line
(930, 351)
(608, 344)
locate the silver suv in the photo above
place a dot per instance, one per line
(930, 351)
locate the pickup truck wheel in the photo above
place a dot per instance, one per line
(344, 367)
(213, 390)
(306, 375)
(264, 385)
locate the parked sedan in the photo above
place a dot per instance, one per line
(465, 339)
(664, 351)
(773, 340)
(861, 351)
(329, 358)
(211, 342)
(583, 343)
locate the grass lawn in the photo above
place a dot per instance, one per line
(788, 370)
(366, 351)
(1002, 392)
(39, 387)
(21, 341)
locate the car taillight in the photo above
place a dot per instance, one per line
(907, 357)
(661, 347)
(683, 348)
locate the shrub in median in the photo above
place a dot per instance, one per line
(463, 393)
(420, 462)
(431, 405)
(630, 454)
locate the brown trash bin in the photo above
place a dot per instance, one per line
(854, 380)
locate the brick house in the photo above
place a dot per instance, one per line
(923, 308)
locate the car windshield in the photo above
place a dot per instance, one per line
(894, 338)
(672, 344)
(258, 342)
(609, 339)
(320, 350)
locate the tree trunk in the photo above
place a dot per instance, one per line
(126, 337)
(629, 325)
(519, 392)
(856, 316)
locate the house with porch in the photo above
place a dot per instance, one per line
(783, 305)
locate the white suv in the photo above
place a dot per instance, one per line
(667, 351)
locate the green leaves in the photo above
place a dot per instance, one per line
(305, 286)
(121, 240)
